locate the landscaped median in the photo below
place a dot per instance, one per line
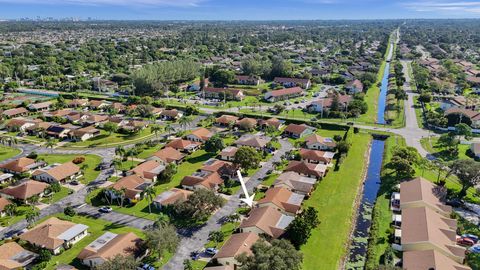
(334, 199)
(8, 152)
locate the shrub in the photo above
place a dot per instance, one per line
(78, 160)
(69, 211)
(33, 155)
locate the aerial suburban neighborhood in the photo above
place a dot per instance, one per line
(146, 143)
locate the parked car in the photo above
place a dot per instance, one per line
(455, 203)
(105, 209)
(474, 249)
(470, 236)
(195, 255)
(74, 183)
(463, 241)
(147, 266)
(211, 251)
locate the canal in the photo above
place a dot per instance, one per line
(382, 99)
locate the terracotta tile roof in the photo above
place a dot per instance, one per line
(226, 119)
(59, 172)
(422, 190)
(47, 233)
(295, 181)
(202, 133)
(148, 168)
(327, 102)
(306, 168)
(237, 244)
(268, 220)
(421, 225)
(315, 155)
(3, 202)
(121, 244)
(253, 141)
(283, 198)
(25, 190)
(41, 105)
(86, 130)
(13, 256)
(97, 103)
(170, 113)
(296, 129)
(473, 115)
(180, 144)
(430, 259)
(207, 179)
(169, 154)
(229, 151)
(16, 111)
(78, 102)
(228, 91)
(172, 196)
(271, 122)
(219, 166)
(18, 165)
(286, 91)
(131, 184)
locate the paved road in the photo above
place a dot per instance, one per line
(197, 240)
(115, 217)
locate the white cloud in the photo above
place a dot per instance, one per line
(444, 6)
(184, 3)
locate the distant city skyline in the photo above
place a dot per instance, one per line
(238, 10)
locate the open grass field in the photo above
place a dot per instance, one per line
(8, 152)
(334, 199)
(432, 146)
(96, 227)
(91, 160)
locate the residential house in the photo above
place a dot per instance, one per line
(255, 141)
(247, 80)
(247, 123)
(266, 221)
(225, 169)
(171, 115)
(150, 169)
(98, 104)
(430, 259)
(21, 165)
(200, 135)
(419, 192)
(228, 153)
(424, 229)
(297, 131)
(272, 122)
(171, 196)
(83, 134)
(222, 93)
(3, 202)
(119, 107)
(77, 103)
(20, 124)
(226, 120)
(316, 156)
(132, 125)
(354, 87)
(292, 82)
(283, 94)
(475, 148)
(55, 235)
(458, 102)
(57, 113)
(40, 107)
(185, 146)
(295, 182)
(93, 119)
(473, 116)
(24, 191)
(282, 199)
(109, 245)
(325, 104)
(167, 155)
(63, 173)
(15, 257)
(133, 185)
(307, 169)
(59, 131)
(38, 129)
(16, 112)
(5, 177)
(317, 142)
(236, 245)
(202, 179)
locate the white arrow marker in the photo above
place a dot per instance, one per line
(248, 199)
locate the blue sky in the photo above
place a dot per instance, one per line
(240, 9)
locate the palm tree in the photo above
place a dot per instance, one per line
(11, 209)
(156, 129)
(169, 129)
(32, 216)
(120, 151)
(50, 144)
(116, 163)
(148, 193)
(184, 121)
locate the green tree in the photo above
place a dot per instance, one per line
(200, 205)
(299, 230)
(187, 264)
(468, 173)
(156, 129)
(119, 262)
(168, 173)
(221, 77)
(149, 193)
(216, 236)
(279, 255)
(214, 144)
(247, 158)
(162, 238)
(110, 127)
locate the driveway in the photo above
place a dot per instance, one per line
(196, 240)
(115, 217)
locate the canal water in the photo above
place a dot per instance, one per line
(382, 99)
(359, 242)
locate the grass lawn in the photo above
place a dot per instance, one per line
(334, 198)
(57, 196)
(104, 139)
(140, 209)
(199, 265)
(432, 146)
(227, 229)
(8, 152)
(418, 112)
(148, 152)
(20, 215)
(96, 227)
(128, 164)
(91, 160)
